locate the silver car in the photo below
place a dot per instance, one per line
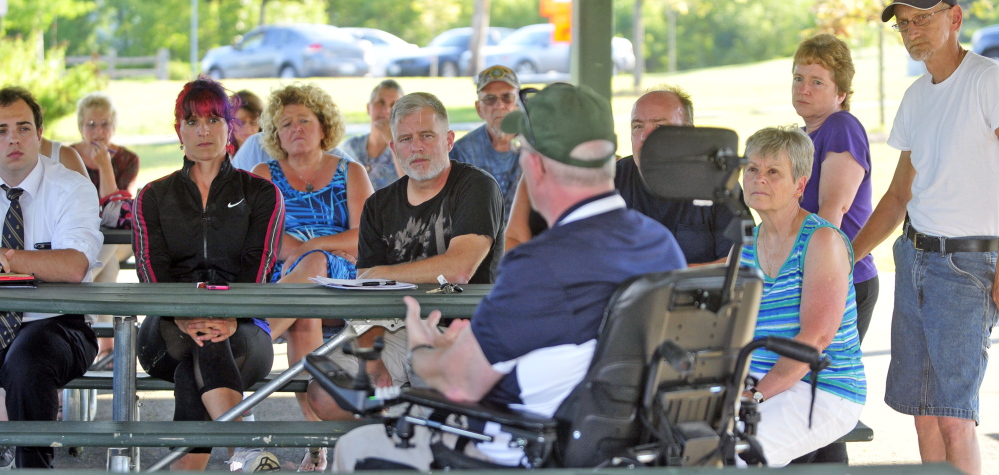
(290, 51)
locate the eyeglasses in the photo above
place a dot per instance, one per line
(525, 94)
(490, 100)
(104, 124)
(918, 20)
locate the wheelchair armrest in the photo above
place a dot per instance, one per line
(504, 416)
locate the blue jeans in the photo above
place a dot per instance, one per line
(940, 330)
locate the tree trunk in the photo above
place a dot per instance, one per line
(480, 31)
(638, 45)
(263, 6)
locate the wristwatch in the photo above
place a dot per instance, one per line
(757, 395)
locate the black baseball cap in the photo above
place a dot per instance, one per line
(889, 11)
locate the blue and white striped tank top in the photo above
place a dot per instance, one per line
(779, 316)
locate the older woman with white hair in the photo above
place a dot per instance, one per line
(808, 295)
(113, 170)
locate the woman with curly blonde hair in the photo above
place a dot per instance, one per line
(323, 195)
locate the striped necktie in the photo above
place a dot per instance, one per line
(13, 238)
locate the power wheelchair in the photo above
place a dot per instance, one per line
(665, 383)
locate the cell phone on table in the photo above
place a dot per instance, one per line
(213, 286)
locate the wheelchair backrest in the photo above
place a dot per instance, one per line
(600, 418)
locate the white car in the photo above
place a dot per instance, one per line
(384, 47)
(532, 50)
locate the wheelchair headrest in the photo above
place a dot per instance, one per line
(692, 163)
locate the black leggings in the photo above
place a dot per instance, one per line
(236, 363)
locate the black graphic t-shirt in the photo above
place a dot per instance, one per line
(393, 231)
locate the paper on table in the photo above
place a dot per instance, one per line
(362, 284)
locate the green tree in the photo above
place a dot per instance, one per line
(56, 87)
(29, 16)
(718, 32)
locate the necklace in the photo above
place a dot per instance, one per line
(308, 183)
(772, 255)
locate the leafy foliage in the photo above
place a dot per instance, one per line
(55, 87)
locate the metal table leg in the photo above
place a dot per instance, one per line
(123, 389)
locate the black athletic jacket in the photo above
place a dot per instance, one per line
(235, 238)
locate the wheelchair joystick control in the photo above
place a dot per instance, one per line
(361, 379)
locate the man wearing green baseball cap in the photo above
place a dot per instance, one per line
(533, 337)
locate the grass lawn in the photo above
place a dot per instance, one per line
(744, 98)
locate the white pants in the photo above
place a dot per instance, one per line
(783, 430)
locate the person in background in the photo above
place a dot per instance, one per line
(839, 189)
(488, 147)
(323, 195)
(184, 233)
(67, 156)
(372, 149)
(808, 296)
(112, 169)
(248, 116)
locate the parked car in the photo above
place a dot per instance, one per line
(532, 50)
(290, 51)
(986, 42)
(447, 47)
(384, 46)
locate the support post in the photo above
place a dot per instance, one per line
(592, 28)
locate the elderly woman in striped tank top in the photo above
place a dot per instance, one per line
(808, 295)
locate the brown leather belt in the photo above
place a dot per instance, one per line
(943, 245)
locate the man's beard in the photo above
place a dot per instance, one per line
(434, 168)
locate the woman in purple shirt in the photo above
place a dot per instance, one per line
(840, 187)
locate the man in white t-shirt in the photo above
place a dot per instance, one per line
(946, 188)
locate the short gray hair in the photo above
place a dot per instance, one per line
(771, 141)
(571, 175)
(415, 102)
(681, 95)
(99, 101)
(386, 84)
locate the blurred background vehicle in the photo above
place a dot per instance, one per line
(384, 45)
(532, 50)
(447, 48)
(290, 51)
(985, 42)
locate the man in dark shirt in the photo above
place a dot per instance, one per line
(699, 229)
(442, 218)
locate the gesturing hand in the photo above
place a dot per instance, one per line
(426, 332)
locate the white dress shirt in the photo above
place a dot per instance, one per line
(60, 207)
